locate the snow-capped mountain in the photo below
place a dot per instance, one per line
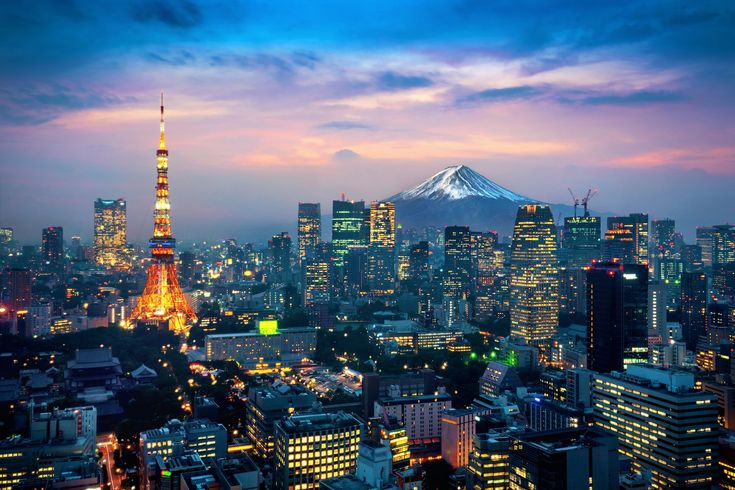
(459, 182)
(460, 196)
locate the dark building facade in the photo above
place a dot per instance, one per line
(617, 310)
(693, 307)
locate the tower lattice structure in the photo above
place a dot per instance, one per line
(162, 299)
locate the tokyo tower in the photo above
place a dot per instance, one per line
(162, 300)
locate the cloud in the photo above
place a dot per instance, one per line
(391, 80)
(177, 14)
(642, 97)
(344, 125)
(177, 59)
(345, 154)
(39, 105)
(499, 95)
(282, 67)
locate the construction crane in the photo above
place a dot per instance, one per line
(575, 200)
(586, 199)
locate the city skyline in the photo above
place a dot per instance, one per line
(267, 112)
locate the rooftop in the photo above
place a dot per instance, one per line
(317, 422)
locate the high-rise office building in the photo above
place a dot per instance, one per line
(668, 271)
(617, 310)
(634, 228)
(457, 434)
(658, 294)
(267, 404)
(316, 275)
(484, 260)
(383, 223)
(618, 245)
(380, 269)
(573, 459)
(457, 262)
(704, 240)
(110, 232)
(691, 257)
(663, 237)
(419, 266)
(313, 447)
(581, 240)
(488, 468)
(381, 250)
(348, 228)
(356, 270)
(280, 246)
(187, 260)
(693, 307)
(723, 281)
(309, 228)
(534, 283)
(723, 244)
(662, 422)
(15, 286)
(52, 247)
(420, 414)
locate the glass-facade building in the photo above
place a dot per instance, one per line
(110, 233)
(534, 283)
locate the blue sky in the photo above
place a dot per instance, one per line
(270, 103)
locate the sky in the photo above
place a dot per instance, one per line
(269, 103)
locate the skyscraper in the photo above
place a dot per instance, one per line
(309, 228)
(419, 267)
(617, 310)
(110, 232)
(280, 247)
(658, 293)
(162, 300)
(534, 286)
(637, 225)
(723, 244)
(381, 250)
(663, 237)
(15, 285)
(704, 240)
(457, 262)
(316, 273)
(581, 240)
(52, 247)
(618, 245)
(348, 219)
(383, 223)
(693, 307)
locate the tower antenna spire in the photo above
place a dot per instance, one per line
(162, 143)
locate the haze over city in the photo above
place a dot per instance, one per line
(267, 107)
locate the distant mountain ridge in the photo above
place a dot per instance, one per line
(459, 195)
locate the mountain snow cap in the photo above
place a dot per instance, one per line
(459, 182)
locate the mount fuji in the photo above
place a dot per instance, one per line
(460, 196)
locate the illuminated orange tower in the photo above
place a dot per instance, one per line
(162, 299)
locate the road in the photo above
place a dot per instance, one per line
(107, 447)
